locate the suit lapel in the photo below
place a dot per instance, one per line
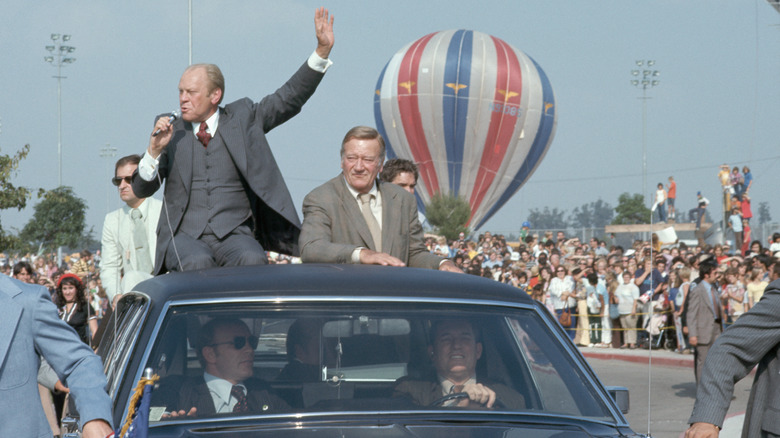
(229, 131)
(10, 313)
(357, 223)
(125, 233)
(391, 214)
(182, 159)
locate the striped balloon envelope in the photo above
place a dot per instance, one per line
(474, 113)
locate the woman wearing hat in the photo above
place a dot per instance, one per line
(74, 308)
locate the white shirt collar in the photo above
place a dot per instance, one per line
(212, 122)
(355, 193)
(220, 391)
(447, 384)
(143, 208)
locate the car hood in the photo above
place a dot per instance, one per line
(534, 428)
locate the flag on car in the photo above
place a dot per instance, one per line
(136, 424)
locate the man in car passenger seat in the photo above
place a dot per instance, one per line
(454, 351)
(303, 352)
(226, 350)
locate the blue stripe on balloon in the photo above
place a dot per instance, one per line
(380, 126)
(538, 148)
(457, 70)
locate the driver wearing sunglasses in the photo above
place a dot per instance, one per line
(226, 349)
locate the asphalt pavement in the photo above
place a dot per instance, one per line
(732, 426)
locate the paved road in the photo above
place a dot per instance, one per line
(673, 393)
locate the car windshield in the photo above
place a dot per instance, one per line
(327, 358)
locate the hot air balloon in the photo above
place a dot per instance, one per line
(475, 114)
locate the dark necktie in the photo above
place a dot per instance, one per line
(203, 135)
(238, 393)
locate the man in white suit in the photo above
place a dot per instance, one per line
(128, 257)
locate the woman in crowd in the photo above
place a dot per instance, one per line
(41, 268)
(682, 284)
(755, 287)
(733, 295)
(631, 267)
(628, 295)
(71, 299)
(564, 298)
(612, 337)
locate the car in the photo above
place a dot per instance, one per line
(371, 330)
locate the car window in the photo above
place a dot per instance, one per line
(288, 359)
(119, 338)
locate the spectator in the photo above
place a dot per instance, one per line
(628, 296)
(747, 180)
(400, 172)
(74, 307)
(735, 224)
(660, 202)
(671, 196)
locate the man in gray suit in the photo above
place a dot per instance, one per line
(354, 218)
(753, 339)
(704, 316)
(30, 325)
(225, 199)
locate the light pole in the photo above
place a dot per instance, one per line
(643, 78)
(59, 55)
(108, 152)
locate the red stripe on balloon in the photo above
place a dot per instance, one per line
(506, 104)
(408, 107)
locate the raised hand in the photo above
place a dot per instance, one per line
(323, 28)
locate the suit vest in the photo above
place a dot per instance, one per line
(218, 195)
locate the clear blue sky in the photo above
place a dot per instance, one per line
(718, 100)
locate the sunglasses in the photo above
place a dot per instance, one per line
(117, 180)
(240, 341)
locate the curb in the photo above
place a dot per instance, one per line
(657, 359)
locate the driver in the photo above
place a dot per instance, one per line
(226, 349)
(454, 351)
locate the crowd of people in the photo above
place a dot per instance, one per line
(613, 297)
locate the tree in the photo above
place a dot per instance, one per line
(763, 213)
(449, 214)
(631, 209)
(11, 196)
(547, 219)
(593, 215)
(58, 220)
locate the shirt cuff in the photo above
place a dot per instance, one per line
(318, 64)
(147, 168)
(356, 255)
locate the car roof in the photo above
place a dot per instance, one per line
(326, 281)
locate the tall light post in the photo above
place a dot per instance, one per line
(59, 55)
(108, 152)
(644, 77)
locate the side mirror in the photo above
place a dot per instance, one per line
(620, 395)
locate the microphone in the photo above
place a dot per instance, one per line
(173, 116)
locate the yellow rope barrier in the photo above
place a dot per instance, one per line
(139, 390)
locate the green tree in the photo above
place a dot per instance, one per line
(59, 220)
(10, 195)
(763, 213)
(631, 209)
(547, 219)
(593, 215)
(449, 214)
